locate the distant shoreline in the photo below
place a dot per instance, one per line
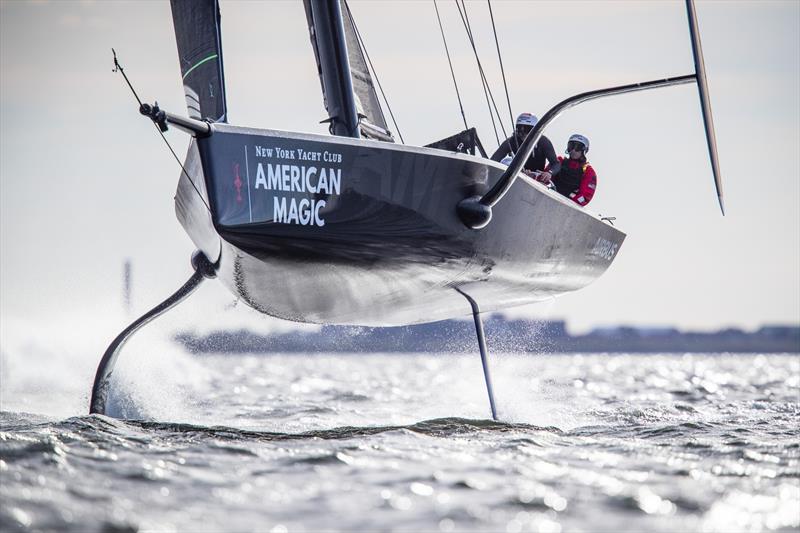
(503, 335)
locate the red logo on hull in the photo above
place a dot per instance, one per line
(237, 182)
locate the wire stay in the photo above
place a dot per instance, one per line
(374, 73)
(450, 62)
(502, 70)
(118, 68)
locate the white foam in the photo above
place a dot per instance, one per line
(49, 368)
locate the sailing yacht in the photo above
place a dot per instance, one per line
(354, 227)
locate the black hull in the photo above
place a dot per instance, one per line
(382, 243)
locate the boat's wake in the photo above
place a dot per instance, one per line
(438, 427)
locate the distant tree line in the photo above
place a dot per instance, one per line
(503, 335)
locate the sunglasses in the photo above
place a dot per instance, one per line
(575, 145)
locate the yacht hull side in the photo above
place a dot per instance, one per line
(378, 241)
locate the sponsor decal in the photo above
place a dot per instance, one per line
(605, 249)
(296, 178)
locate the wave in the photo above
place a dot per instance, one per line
(99, 426)
(439, 427)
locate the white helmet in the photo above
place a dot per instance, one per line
(578, 138)
(527, 119)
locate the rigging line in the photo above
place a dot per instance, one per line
(483, 79)
(183, 169)
(502, 70)
(487, 90)
(480, 66)
(377, 80)
(380, 87)
(452, 72)
(118, 67)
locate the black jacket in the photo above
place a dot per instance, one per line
(542, 151)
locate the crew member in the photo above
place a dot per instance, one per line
(575, 178)
(543, 151)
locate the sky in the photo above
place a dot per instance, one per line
(85, 182)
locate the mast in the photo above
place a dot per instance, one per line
(330, 48)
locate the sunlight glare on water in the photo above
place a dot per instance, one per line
(402, 442)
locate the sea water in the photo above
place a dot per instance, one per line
(329, 442)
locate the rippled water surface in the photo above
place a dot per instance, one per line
(403, 442)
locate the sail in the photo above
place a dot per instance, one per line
(197, 32)
(371, 121)
(370, 108)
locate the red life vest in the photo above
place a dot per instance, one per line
(568, 179)
(576, 180)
